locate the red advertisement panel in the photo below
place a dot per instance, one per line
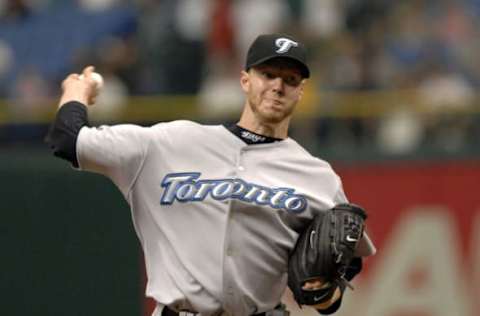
(425, 221)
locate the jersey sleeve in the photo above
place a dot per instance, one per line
(340, 196)
(117, 152)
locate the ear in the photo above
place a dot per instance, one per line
(302, 89)
(245, 81)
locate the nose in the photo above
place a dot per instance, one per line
(278, 85)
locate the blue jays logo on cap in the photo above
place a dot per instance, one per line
(284, 44)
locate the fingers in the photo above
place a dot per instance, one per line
(315, 284)
(93, 97)
(87, 71)
(69, 78)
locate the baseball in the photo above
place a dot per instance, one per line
(97, 78)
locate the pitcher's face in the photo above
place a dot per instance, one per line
(273, 89)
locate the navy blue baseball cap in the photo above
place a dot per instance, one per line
(269, 46)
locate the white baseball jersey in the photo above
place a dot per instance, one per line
(216, 218)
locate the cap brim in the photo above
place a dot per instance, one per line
(303, 68)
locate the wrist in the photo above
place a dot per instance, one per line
(77, 94)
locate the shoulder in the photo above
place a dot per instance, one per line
(180, 125)
(137, 132)
(301, 153)
(187, 130)
(314, 166)
(317, 177)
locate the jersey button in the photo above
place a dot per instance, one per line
(241, 168)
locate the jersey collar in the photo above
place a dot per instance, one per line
(249, 137)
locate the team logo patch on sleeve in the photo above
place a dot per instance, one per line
(188, 187)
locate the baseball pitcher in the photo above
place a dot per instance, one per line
(227, 216)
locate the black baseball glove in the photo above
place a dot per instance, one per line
(326, 250)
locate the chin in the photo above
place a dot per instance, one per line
(276, 115)
(273, 118)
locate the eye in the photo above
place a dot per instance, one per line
(292, 80)
(268, 74)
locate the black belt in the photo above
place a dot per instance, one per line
(168, 312)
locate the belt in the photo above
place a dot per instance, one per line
(168, 312)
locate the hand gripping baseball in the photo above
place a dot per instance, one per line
(82, 88)
(325, 251)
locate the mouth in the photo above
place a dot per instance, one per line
(275, 102)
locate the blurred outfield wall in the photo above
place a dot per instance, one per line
(69, 246)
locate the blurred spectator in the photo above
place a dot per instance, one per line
(446, 97)
(6, 60)
(220, 94)
(111, 101)
(400, 132)
(362, 15)
(29, 95)
(322, 19)
(156, 28)
(172, 47)
(252, 17)
(221, 35)
(97, 5)
(412, 43)
(192, 19)
(14, 10)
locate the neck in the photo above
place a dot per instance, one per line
(253, 123)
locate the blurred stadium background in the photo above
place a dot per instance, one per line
(393, 104)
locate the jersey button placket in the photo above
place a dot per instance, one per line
(240, 167)
(228, 289)
(229, 254)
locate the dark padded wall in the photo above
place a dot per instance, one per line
(67, 243)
